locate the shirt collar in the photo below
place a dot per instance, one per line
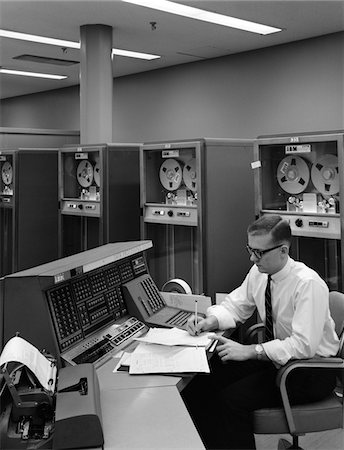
(284, 272)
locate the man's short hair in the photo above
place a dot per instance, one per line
(274, 224)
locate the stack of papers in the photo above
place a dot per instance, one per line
(168, 351)
(174, 336)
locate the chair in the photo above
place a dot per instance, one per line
(298, 420)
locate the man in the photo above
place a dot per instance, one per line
(299, 326)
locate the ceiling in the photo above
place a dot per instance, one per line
(178, 40)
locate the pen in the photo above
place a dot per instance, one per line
(213, 346)
(195, 315)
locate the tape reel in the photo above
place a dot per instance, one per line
(7, 173)
(293, 174)
(84, 173)
(177, 285)
(190, 175)
(325, 176)
(171, 174)
(96, 174)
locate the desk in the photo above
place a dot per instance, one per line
(144, 412)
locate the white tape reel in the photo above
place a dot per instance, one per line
(7, 173)
(177, 285)
(293, 174)
(84, 173)
(96, 174)
(190, 175)
(171, 174)
(325, 176)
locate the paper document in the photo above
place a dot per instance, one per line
(153, 358)
(19, 350)
(174, 336)
(123, 363)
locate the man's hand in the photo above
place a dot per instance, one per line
(231, 350)
(195, 325)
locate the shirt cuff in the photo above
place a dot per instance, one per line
(275, 352)
(223, 316)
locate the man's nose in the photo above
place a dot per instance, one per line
(253, 258)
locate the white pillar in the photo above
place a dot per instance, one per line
(96, 84)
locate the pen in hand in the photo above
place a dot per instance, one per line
(196, 332)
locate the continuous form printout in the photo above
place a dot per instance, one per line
(19, 350)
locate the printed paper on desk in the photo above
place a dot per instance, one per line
(162, 359)
(174, 336)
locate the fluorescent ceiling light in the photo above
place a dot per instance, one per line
(40, 39)
(205, 16)
(130, 54)
(70, 44)
(32, 74)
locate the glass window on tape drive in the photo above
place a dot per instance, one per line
(291, 172)
(87, 302)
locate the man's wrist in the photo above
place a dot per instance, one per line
(259, 351)
(213, 322)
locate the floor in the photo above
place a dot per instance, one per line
(327, 440)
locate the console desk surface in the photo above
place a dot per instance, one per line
(145, 412)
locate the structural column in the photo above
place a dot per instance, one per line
(96, 84)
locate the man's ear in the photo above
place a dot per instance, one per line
(285, 249)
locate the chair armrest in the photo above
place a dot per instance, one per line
(327, 363)
(255, 330)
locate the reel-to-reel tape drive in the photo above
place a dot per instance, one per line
(28, 212)
(80, 185)
(179, 180)
(172, 193)
(190, 210)
(300, 177)
(6, 181)
(320, 179)
(173, 173)
(99, 195)
(87, 174)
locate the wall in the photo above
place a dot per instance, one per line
(287, 88)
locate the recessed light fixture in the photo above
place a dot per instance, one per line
(40, 39)
(205, 16)
(70, 44)
(130, 54)
(46, 60)
(32, 74)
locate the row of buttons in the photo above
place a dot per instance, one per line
(128, 332)
(99, 313)
(71, 341)
(154, 299)
(126, 272)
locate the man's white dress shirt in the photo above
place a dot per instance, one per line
(303, 326)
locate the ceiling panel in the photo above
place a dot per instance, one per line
(178, 40)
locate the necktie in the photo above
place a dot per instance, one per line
(269, 330)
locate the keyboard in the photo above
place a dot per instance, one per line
(103, 345)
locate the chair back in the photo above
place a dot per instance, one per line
(336, 300)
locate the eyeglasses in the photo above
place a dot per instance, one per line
(260, 253)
